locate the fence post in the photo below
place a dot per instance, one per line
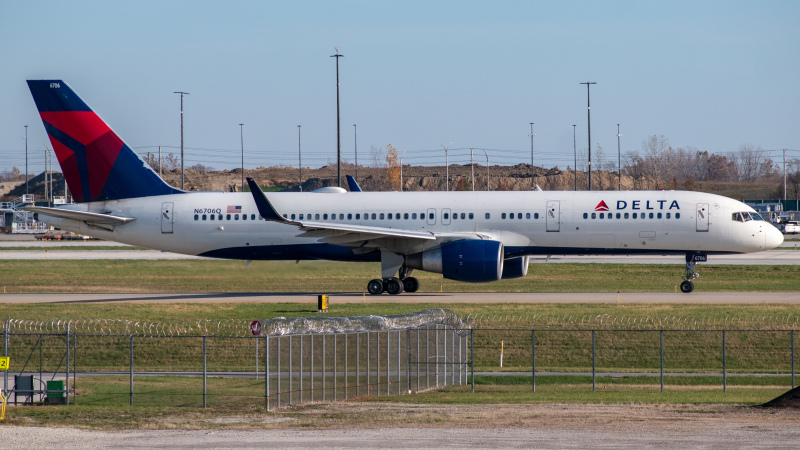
(323, 368)
(66, 382)
(5, 353)
(792, 359)
(131, 371)
(291, 371)
(388, 362)
(266, 372)
(444, 347)
(205, 372)
(427, 357)
(408, 360)
(472, 356)
(593, 363)
(278, 371)
(335, 374)
(453, 356)
(533, 358)
(661, 351)
(377, 363)
(436, 340)
(301, 370)
(724, 379)
(345, 366)
(398, 362)
(369, 386)
(256, 358)
(311, 369)
(358, 364)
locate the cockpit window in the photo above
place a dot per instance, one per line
(756, 216)
(746, 216)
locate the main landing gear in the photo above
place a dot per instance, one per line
(691, 260)
(394, 285)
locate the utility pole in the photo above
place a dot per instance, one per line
(487, 169)
(299, 158)
(355, 141)
(45, 174)
(182, 94)
(589, 126)
(241, 139)
(338, 131)
(575, 152)
(446, 168)
(533, 185)
(159, 161)
(472, 166)
(619, 159)
(26, 160)
(784, 177)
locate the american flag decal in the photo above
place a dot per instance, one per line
(234, 209)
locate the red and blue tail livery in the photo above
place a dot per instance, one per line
(96, 163)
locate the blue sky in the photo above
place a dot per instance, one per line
(416, 74)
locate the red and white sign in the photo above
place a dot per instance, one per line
(255, 327)
(601, 206)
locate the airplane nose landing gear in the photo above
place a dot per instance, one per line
(691, 260)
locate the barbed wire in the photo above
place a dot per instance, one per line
(623, 322)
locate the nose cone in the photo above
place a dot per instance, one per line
(773, 237)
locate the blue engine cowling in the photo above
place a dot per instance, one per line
(474, 261)
(515, 267)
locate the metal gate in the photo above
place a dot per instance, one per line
(702, 217)
(553, 215)
(167, 215)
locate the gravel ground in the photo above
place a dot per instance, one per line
(478, 426)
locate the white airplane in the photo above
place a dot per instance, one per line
(465, 236)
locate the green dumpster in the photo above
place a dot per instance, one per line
(55, 392)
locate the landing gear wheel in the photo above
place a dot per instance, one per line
(687, 286)
(394, 286)
(410, 284)
(375, 287)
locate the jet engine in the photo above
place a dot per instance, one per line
(515, 267)
(475, 261)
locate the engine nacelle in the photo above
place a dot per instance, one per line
(475, 261)
(515, 267)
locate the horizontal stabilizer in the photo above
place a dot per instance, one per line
(81, 216)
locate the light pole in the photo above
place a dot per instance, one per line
(299, 158)
(182, 94)
(446, 168)
(472, 167)
(589, 126)
(619, 159)
(241, 138)
(26, 160)
(401, 170)
(355, 143)
(532, 183)
(338, 131)
(487, 168)
(575, 152)
(784, 178)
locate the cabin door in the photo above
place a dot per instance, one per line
(553, 215)
(702, 217)
(167, 215)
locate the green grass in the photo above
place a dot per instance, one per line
(331, 277)
(72, 248)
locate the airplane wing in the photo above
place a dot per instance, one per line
(81, 216)
(337, 233)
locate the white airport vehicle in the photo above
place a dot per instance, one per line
(465, 236)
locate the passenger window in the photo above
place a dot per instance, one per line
(397, 216)
(341, 216)
(349, 216)
(228, 217)
(618, 215)
(446, 216)
(430, 216)
(610, 215)
(422, 216)
(260, 218)
(658, 216)
(204, 217)
(358, 216)
(405, 216)
(220, 217)
(503, 216)
(535, 215)
(527, 215)
(292, 216)
(324, 217)
(382, 216)
(244, 216)
(252, 217)
(602, 216)
(634, 216)
(301, 217)
(414, 216)
(196, 217)
(374, 216)
(471, 216)
(463, 216)
(390, 216)
(519, 216)
(316, 216)
(627, 216)
(212, 217)
(585, 215)
(677, 215)
(668, 214)
(594, 215)
(488, 215)
(651, 215)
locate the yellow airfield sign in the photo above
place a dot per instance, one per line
(4, 360)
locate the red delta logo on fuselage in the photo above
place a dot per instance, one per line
(639, 205)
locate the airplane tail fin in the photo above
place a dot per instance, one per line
(96, 163)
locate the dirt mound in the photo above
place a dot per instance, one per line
(790, 399)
